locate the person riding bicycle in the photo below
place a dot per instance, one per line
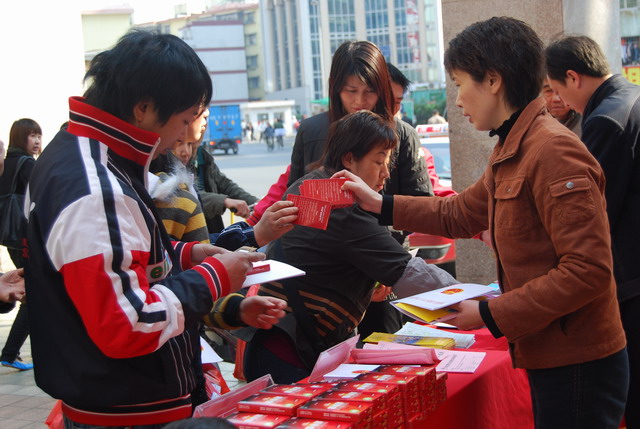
(268, 136)
(279, 132)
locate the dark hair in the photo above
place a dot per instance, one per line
(146, 66)
(201, 423)
(20, 131)
(398, 77)
(364, 60)
(578, 53)
(505, 46)
(357, 133)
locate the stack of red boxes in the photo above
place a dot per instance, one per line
(427, 395)
(394, 396)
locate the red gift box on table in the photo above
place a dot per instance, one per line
(252, 420)
(302, 423)
(392, 399)
(264, 403)
(304, 390)
(375, 398)
(355, 412)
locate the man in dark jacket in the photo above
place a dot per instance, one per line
(219, 193)
(610, 108)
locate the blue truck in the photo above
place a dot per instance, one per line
(225, 130)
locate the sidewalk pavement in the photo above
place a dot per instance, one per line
(23, 405)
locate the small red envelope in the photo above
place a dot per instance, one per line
(311, 212)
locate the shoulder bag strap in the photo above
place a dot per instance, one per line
(14, 181)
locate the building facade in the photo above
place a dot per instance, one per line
(248, 13)
(301, 36)
(102, 28)
(220, 46)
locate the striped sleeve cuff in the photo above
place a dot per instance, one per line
(216, 276)
(253, 219)
(226, 313)
(183, 250)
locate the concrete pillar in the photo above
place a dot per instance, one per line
(470, 149)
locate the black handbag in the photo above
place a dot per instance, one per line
(12, 220)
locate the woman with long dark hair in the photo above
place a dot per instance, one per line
(359, 80)
(25, 142)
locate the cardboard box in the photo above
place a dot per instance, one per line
(356, 412)
(252, 420)
(406, 383)
(302, 423)
(440, 393)
(304, 390)
(264, 403)
(365, 386)
(375, 398)
(426, 374)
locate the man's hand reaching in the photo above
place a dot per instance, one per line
(262, 312)
(237, 265)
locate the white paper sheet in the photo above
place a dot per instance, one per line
(277, 271)
(208, 355)
(349, 371)
(446, 296)
(464, 362)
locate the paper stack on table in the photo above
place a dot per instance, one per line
(463, 341)
(440, 342)
(433, 306)
(450, 360)
(385, 353)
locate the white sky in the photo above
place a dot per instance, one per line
(42, 55)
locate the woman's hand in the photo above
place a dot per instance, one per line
(380, 293)
(262, 312)
(468, 315)
(275, 222)
(366, 197)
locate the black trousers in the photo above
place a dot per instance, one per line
(588, 395)
(17, 336)
(630, 314)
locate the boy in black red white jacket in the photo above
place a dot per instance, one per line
(114, 303)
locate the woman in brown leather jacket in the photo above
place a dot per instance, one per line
(541, 197)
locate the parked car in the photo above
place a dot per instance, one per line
(435, 249)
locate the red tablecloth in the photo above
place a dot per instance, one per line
(496, 396)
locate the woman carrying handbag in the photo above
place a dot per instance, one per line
(25, 141)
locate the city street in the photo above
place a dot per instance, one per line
(254, 168)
